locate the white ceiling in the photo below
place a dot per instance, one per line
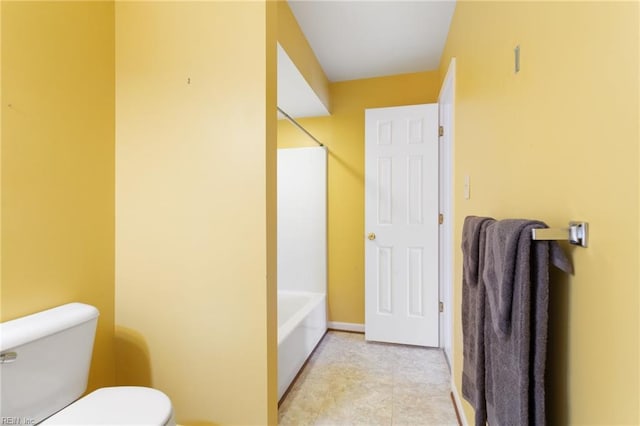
(355, 39)
(360, 39)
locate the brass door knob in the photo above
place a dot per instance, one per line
(371, 236)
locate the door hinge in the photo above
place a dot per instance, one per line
(440, 131)
(441, 307)
(440, 218)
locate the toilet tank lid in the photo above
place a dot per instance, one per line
(32, 327)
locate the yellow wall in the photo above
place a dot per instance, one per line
(195, 206)
(559, 141)
(343, 134)
(58, 163)
(293, 41)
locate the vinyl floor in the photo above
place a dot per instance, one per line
(348, 381)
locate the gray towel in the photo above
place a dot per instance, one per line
(516, 277)
(473, 311)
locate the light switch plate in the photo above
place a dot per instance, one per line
(467, 187)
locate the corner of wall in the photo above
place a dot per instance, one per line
(195, 202)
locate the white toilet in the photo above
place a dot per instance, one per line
(44, 367)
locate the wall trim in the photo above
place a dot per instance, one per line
(345, 326)
(458, 403)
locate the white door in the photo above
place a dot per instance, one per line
(401, 225)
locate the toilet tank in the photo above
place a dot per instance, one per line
(44, 361)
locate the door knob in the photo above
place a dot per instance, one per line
(371, 236)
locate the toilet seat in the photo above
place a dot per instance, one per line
(120, 405)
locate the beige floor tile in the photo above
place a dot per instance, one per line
(295, 414)
(348, 381)
(415, 405)
(433, 414)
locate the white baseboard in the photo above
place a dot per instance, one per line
(456, 396)
(345, 326)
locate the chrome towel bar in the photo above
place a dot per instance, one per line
(576, 234)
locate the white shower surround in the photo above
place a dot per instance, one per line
(302, 257)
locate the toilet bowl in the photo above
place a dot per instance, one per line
(119, 405)
(44, 367)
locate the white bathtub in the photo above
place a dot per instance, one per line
(302, 321)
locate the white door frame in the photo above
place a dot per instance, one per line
(446, 105)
